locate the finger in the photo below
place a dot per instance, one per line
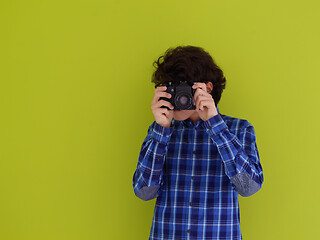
(165, 112)
(195, 86)
(161, 111)
(201, 98)
(198, 100)
(200, 92)
(205, 103)
(161, 88)
(203, 86)
(195, 96)
(163, 103)
(200, 85)
(157, 96)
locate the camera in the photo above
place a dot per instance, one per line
(181, 95)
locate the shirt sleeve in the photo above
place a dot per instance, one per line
(147, 178)
(239, 154)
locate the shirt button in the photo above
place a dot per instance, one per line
(192, 177)
(221, 148)
(164, 135)
(210, 127)
(189, 230)
(194, 152)
(190, 204)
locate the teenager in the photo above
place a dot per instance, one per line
(195, 162)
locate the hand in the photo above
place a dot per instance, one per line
(162, 115)
(204, 102)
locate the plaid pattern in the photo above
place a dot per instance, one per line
(188, 167)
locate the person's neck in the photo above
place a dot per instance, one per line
(195, 117)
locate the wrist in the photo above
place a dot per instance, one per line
(163, 125)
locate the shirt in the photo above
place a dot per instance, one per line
(196, 172)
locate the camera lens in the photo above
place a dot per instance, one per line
(183, 101)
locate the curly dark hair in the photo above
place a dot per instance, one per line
(191, 64)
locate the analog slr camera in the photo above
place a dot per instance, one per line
(181, 95)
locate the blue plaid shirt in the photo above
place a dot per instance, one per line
(196, 172)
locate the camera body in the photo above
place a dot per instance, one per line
(181, 95)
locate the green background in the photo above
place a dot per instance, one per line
(75, 100)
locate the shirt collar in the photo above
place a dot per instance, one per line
(189, 123)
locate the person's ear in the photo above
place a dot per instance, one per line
(209, 87)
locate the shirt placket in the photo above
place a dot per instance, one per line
(193, 129)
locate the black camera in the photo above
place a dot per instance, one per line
(181, 95)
